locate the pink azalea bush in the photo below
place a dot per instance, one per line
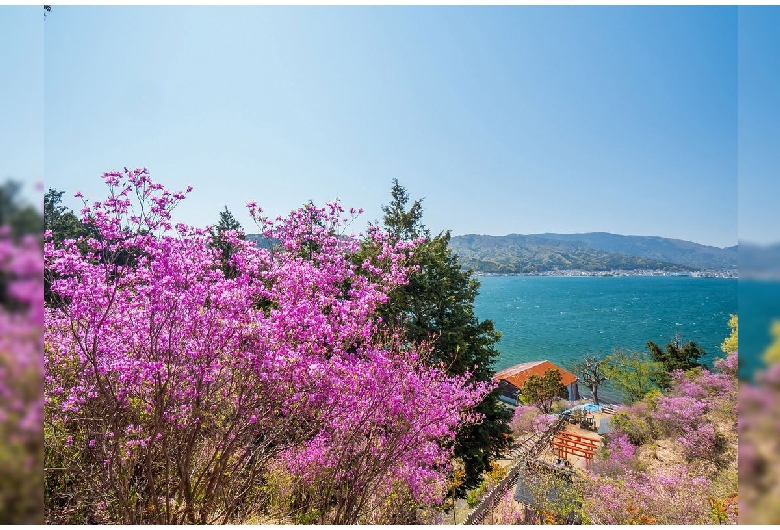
(695, 402)
(697, 414)
(524, 418)
(21, 373)
(618, 456)
(678, 414)
(759, 445)
(171, 388)
(544, 421)
(671, 497)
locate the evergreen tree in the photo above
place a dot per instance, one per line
(21, 217)
(227, 223)
(437, 306)
(63, 224)
(676, 356)
(58, 218)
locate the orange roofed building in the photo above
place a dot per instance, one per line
(511, 380)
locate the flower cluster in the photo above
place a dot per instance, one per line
(21, 372)
(619, 455)
(164, 370)
(759, 472)
(697, 416)
(524, 419)
(673, 496)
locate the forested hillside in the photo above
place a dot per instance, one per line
(654, 247)
(529, 254)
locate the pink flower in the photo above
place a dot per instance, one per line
(289, 339)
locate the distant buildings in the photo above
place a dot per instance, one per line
(732, 273)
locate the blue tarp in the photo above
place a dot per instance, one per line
(587, 407)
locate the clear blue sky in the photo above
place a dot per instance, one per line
(21, 98)
(507, 120)
(759, 124)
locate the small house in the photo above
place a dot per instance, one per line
(512, 379)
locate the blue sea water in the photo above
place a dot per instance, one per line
(759, 307)
(563, 318)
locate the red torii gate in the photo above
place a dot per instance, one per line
(567, 443)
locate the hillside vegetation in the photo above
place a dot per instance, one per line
(521, 254)
(660, 248)
(595, 251)
(672, 458)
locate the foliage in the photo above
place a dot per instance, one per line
(524, 254)
(19, 217)
(759, 445)
(172, 390)
(635, 423)
(403, 224)
(590, 372)
(555, 496)
(560, 405)
(436, 307)
(698, 416)
(491, 478)
(633, 374)
(732, 342)
(672, 496)
(676, 356)
(21, 373)
(772, 354)
(545, 390)
(227, 227)
(60, 220)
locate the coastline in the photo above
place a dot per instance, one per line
(616, 274)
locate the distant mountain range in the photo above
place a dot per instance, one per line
(594, 251)
(759, 261)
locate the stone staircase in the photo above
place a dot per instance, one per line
(527, 450)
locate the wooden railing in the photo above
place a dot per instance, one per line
(530, 449)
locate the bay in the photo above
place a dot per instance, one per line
(563, 318)
(759, 304)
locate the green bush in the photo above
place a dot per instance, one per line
(472, 499)
(639, 429)
(559, 406)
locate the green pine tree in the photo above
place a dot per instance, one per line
(676, 356)
(23, 218)
(438, 305)
(227, 223)
(60, 219)
(64, 225)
